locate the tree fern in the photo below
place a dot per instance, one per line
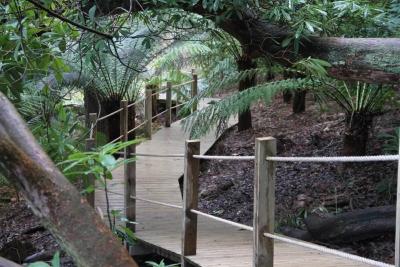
(202, 121)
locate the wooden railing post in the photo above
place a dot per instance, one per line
(190, 197)
(90, 145)
(129, 168)
(148, 114)
(93, 121)
(194, 89)
(397, 237)
(264, 202)
(168, 104)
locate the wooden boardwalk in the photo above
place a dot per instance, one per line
(218, 244)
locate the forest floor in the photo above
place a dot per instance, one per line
(226, 187)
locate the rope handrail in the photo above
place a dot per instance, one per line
(181, 104)
(137, 127)
(110, 114)
(337, 159)
(306, 159)
(181, 84)
(136, 102)
(115, 140)
(159, 114)
(327, 250)
(239, 225)
(160, 91)
(224, 157)
(157, 202)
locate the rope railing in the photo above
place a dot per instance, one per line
(327, 250)
(159, 114)
(181, 84)
(137, 127)
(136, 102)
(162, 90)
(110, 114)
(116, 139)
(215, 218)
(337, 159)
(157, 202)
(181, 104)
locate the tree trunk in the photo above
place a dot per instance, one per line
(57, 203)
(352, 226)
(95, 103)
(245, 63)
(371, 60)
(356, 134)
(299, 101)
(287, 97)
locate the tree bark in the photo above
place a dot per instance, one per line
(287, 97)
(53, 199)
(299, 101)
(356, 134)
(245, 63)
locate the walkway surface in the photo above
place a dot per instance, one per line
(218, 244)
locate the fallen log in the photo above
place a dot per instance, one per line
(352, 226)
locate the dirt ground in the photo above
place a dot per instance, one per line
(226, 187)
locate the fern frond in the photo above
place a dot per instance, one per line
(202, 121)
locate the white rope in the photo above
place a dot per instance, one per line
(159, 114)
(115, 140)
(224, 157)
(337, 159)
(328, 250)
(157, 202)
(239, 225)
(109, 115)
(137, 127)
(137, 102)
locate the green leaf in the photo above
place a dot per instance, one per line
(55, 262)
(107, 160)
(92, 12)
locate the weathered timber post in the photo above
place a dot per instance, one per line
(129, 168)
(90, 145)
(148, 114)
(168, 104)
(397, 238)
(264, 202)
(194, 89)
(190, 198)
(93, 123)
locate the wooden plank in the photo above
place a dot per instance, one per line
(190, 197)
(264, 202)
(218, 245)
